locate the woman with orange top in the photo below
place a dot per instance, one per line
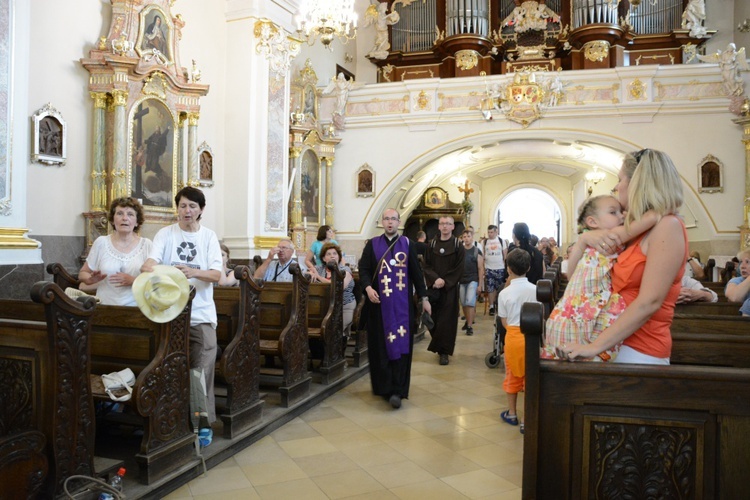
(648, 273)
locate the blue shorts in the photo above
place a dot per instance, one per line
(495, 279)
(467, 294)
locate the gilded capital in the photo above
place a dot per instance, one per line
(193, 119)
(328, 160)
(294, 152)
(100, 99)
(120, 97)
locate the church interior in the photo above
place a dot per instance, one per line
(431, 107)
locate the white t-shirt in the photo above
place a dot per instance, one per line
(512, 297)
(104, 257)
(200, 250)
(493, 254)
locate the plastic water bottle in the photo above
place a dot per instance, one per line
(116, 483)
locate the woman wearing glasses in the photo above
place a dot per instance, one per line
(648, 272)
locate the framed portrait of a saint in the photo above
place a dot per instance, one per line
(206, 165)
(365, 181)
(49, 142)
(310, 175)
(710, 175)
(434, 198)
(310, 101)
(155, 35)
(152, 170)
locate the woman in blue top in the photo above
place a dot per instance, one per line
(312, 258)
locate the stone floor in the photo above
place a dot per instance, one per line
(447, 441)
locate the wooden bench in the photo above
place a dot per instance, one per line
(158, 353)
(283, 336)
(238, 335)
(45, 393)
(712, 308)
(359, 337)
(704, 323)
(325, 325)
(608, 430)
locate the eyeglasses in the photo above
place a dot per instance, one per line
(285, 248)
(390, 219)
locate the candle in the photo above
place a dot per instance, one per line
(305, 222)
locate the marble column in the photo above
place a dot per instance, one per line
(744, 122)
(329, 190)
(120, 147)
(192, 145)
(181, 166)
(98, 170)
(294, 157)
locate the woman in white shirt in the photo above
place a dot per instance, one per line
(115, 260)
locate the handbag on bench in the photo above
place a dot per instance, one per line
(119, 381)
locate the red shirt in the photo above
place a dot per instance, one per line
(654, 337)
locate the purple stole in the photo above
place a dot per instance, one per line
(395, 294)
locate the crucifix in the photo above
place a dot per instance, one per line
(137, 141)
(401, 330)
(391, 337)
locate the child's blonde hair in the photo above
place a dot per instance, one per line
(654, 184)
(589, 208)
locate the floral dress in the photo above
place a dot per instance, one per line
(588, 306)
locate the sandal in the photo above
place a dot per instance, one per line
(523, 428)
(509, 419)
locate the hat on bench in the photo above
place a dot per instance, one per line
(161, 294)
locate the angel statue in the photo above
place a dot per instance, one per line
(693, 17)
(340, 87)
(381, 20)
(731, 62)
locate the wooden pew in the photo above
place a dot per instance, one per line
(325, 324)
(238, 336)
(359, 353)
(45, 393)
(711, 308)
(608, 430)
(283, 336)
(158, 353)
(703, 323)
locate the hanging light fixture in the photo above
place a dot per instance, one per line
(327, 19)
(594, 177)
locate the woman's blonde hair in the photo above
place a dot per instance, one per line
(654, 184)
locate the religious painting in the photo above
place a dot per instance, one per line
(206, 165)
(365, 182)
(434, 198)
(155, 36)
(153, 154)
(310, 175)
(49, 137)
(310, 102)
(710, 175)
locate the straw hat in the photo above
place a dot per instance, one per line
(161, 294)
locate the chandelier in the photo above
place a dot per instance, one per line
(327, 19)
(594, 176)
